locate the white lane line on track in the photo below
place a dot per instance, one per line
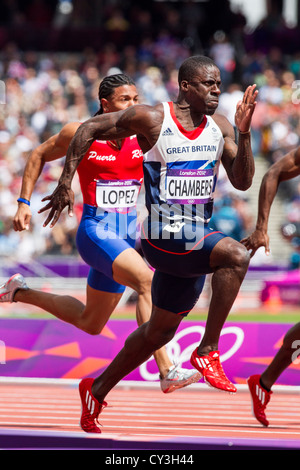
(183, 428)
(155, 433)
(132, 415)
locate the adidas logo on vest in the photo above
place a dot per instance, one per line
(167, 132)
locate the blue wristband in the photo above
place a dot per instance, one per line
(24, 200)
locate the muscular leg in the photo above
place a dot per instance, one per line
(283, 358)
(138, 347)
(90, 318)
(230, 261)
(130, 269)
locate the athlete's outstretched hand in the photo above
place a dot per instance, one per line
(245, 109)
(257, 239)
(61, 197)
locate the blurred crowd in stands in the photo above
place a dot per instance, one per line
(55, 80)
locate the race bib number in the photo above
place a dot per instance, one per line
(189, 186)
(117, 194)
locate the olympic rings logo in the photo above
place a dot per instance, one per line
(180, 354)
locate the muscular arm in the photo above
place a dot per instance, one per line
(108, 126)
(103, 127)
(238, 159)
(138, 119)
(54, 148)
(285, 169)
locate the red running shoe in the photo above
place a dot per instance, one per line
(260, 398)
(90, 407)
(211, 369)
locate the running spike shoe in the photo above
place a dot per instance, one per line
(90, 407)
(211, 370)
(260, 397)
(10, 287)
(177, 378)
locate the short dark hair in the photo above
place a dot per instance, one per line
(108, 85)
(189, 67)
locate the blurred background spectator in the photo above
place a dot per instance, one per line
(53, 54)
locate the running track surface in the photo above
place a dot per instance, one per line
(35, 415)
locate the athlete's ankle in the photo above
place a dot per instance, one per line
(205, 350)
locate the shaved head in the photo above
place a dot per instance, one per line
(191, 65)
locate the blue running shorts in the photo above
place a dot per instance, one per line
(101, 237)
(180, 253)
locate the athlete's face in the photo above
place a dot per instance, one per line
(203, 90)
(122, 97)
